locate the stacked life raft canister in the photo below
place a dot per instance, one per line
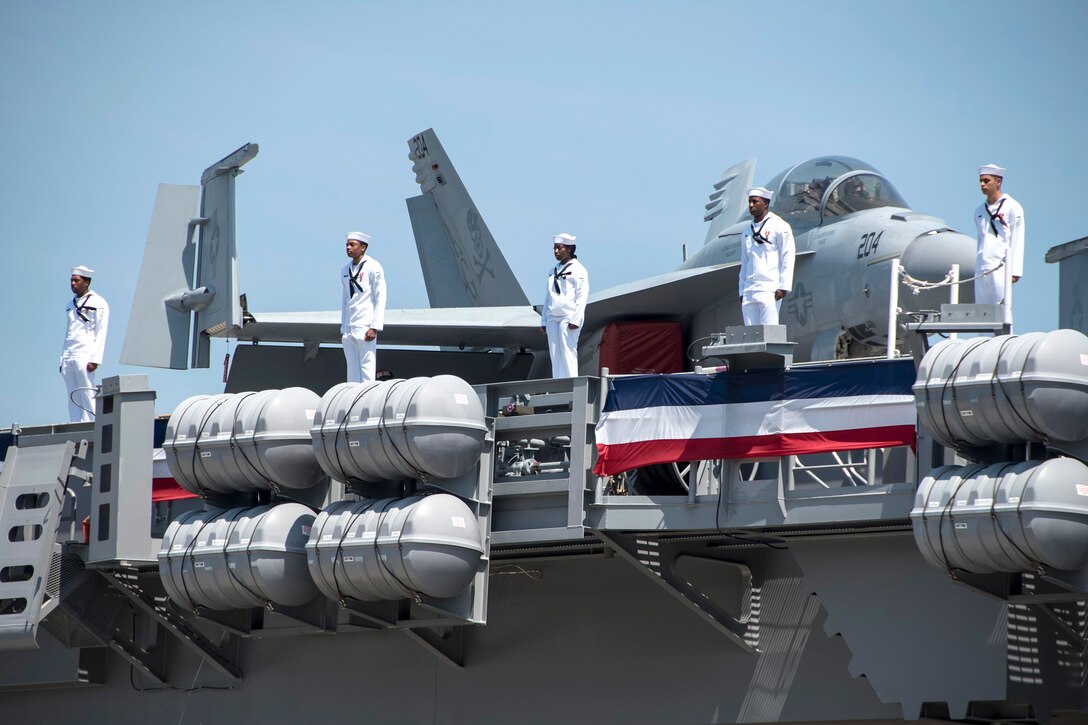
(975, 395)
(285, 553)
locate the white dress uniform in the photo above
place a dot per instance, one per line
(565, 304)
(766, 265)
(84, 342)
(362, 308)
(1000, 229)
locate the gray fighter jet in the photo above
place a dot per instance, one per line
(850, 223)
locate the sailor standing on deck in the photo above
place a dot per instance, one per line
(766, 261)
(1000, 224)
(565, 307)
(84, 344)
(362, 309)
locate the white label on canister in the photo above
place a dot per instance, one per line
(1082, 490)
(353, 444)
(1083, 359)
(218, 542)
(934, 504)
(305, 530)
(181, 436)
(961, 526)
(243, 540)
(178, 547)
(967, 413)
(310, 413)
(962, 502)
(350, 535)
(205, 454)
(984, 502)
(330, 421)
(395, 533)
(349, 559)
(400, 415)
(354, 419)
(460, 398)
(458, 521)
(1014, 499)
(327, 537)
(198, 564)
(249, 432)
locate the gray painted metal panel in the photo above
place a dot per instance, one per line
(1073, 283)
(588, 640)
(158, 334)
(121, 488)
(916, 635)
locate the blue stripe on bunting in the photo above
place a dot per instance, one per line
(834, 380)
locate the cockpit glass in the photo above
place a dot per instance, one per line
(863, 191)
(799, 193)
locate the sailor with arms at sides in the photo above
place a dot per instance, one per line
(1000, 224)
(84, 344)
(362, 308)
(766, 261)
(565, 307)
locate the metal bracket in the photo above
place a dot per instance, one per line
(128, 584)
(660, 567)
(445, 643)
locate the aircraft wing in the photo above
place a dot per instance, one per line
(468, 327)
(678, 293)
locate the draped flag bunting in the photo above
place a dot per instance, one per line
(650, 419)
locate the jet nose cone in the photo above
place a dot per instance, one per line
(930, 257)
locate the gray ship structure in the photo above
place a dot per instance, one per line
(788, 528)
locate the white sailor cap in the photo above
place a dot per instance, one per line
(564, 238)
(83, 271)
(761, 193)
(358, 237)
(991, 170)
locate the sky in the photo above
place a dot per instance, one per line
(610, 120)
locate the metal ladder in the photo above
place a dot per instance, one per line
(32, 494)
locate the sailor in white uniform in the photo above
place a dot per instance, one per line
(84, 344)
(362, 308)
(766, 261)
(565, 307)
(1000, 225)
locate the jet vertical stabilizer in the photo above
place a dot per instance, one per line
(451, 235)
(180, 279)
(728, 202)
(158, 332)
(217, 265)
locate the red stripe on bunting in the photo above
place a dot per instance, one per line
(617, 458)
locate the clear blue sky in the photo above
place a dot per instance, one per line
(607, 119)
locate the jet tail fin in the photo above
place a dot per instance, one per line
(728, 202)
(462, 264)
(182, 281)
(157, 333)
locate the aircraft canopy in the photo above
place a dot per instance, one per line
(827, 187)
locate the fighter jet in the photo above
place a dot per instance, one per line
(849, 222)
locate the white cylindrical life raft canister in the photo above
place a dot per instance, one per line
(383, 549)
(244, 442)
(1005, 517)
(399, 429)
(1005, 389)
(238, 558)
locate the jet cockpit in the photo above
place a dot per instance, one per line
(828, 187)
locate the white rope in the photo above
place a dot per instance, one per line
(918, 285)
